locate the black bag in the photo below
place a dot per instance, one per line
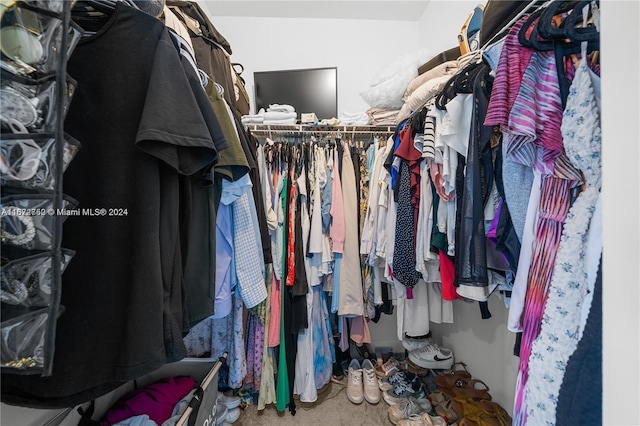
(498, 13)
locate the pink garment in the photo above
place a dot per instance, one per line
(274, 321)
(360, 330)
(338, 231)
(514, 60)
(156, 400)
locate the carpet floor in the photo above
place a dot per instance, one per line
(332, 408)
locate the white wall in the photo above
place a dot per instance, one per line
(484, 345)
(441, 22)
(621, 211)
(358, 48)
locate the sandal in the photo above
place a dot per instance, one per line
(438, 398)
(465, 406)
(480, 413)
(469, 389)
(448, 382)
(446, 410)
(493, 414)
(484, 419)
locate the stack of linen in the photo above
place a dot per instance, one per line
(254, 119)
(275, 114)
(280, 114)
(353, 119)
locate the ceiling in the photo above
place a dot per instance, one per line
(358, 9)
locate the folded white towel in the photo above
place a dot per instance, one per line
(279, 115)
(281, 121)
(281, 108)
(247, 119)
(353, 119)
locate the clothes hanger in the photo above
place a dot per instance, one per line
(92, 8)
(528, 35)
(546, 29)
(580, 33)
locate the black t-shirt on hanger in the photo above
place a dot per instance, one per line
(140, 127)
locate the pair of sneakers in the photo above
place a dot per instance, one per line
(362, 382)
(426, 353)
(227, 409)
(390, 382)
(404, 390)
(408, 407)
(423, 419)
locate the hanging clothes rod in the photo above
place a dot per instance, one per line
(302, 129)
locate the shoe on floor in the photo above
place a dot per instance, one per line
(408, 407)
(229, 401)
(403, 390)
(423, 419)
(402, 376)
(370, 387)
(355, 388)
(232, 415)
(411, 344)
(388, 369)
(431, 357)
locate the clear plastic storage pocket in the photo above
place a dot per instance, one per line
(28, 160)
(23, 337)
(30, 39)
(31, 104)
(27, 281)
(28, 220)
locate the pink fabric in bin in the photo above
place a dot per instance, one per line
(156, 400)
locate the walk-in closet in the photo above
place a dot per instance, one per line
(319, 212)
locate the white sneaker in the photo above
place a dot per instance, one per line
(408, 407)
(411, 344)
(423, 419)
(355, 389)
(431, 356)
(371, 389)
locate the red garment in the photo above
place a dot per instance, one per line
(447, 276)
(291, 235)
(275, 301)
(407, 151)
(435, 170)
(156, 400)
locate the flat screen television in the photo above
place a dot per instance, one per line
(307, 90)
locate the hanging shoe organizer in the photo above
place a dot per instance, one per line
(36, 38)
